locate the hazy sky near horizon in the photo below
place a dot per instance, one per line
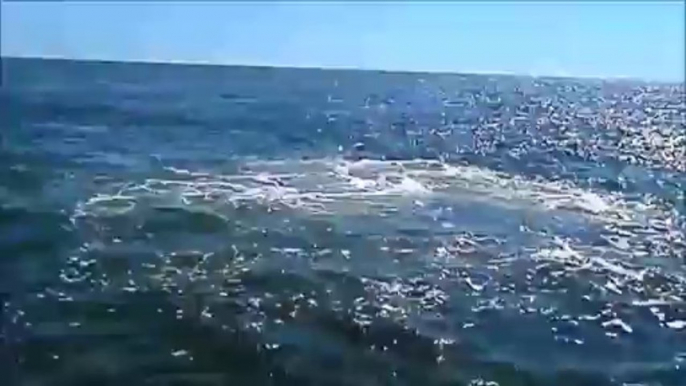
(612, 39)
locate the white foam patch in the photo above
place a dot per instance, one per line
(323, 184)
(639, 234)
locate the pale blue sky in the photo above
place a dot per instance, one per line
(633, 39)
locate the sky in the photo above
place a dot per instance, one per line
(612, 39)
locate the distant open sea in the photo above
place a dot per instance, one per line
(204, 225)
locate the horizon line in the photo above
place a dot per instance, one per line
(345, 68)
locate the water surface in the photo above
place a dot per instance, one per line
(169, 225)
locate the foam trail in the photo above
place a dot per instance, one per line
(340, 187)
(326, 179)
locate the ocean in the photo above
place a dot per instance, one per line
(165, 224)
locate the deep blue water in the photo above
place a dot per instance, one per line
(195, 225)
